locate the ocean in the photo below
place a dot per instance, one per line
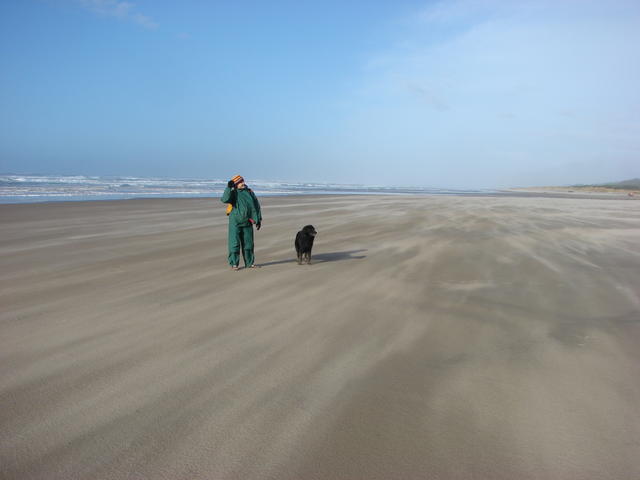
(54, 188)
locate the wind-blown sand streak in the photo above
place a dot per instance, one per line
(433, 337)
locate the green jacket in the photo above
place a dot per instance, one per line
(245, 206)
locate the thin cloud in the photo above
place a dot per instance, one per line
(474, 82)
(119, 9)
(428, 96)
(445, 12)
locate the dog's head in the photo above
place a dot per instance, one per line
(309, 230)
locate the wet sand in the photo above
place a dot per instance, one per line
(432, 338)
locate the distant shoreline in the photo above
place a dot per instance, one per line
(592, 190)
(541, 192)
(39, 189)
(51, 188)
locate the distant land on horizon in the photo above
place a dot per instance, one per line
(630, 187)
(632, 184)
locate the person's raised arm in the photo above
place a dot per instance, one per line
(229, 194)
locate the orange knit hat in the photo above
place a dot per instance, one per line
(237, 180)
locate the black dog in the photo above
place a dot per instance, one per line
(304, 243)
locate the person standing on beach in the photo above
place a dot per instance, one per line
(244, 213)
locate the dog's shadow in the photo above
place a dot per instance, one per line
(324, 257)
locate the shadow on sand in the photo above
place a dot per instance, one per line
(323, 257)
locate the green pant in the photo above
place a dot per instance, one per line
(240, 238)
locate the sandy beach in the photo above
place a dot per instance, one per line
(434, 337)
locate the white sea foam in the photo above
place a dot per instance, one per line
(44, 188)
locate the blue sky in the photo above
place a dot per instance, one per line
(462, 93)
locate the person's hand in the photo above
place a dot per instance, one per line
(258, 225)
(231, 184)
